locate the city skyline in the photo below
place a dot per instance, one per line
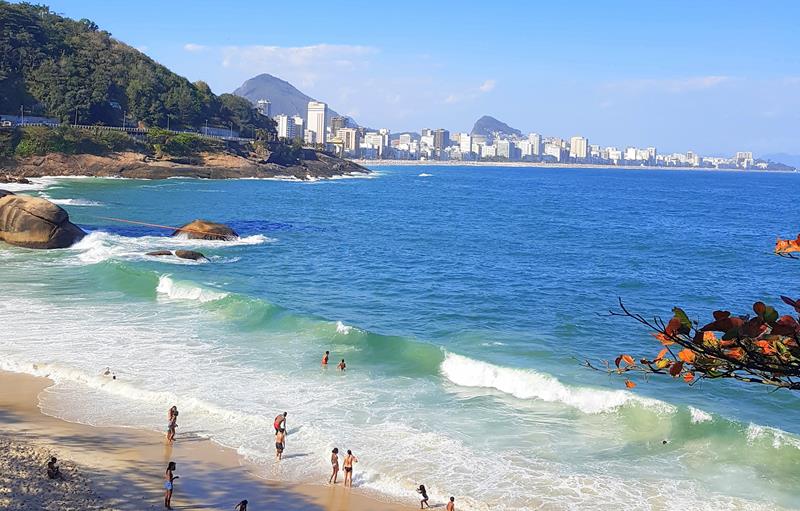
(714, 78)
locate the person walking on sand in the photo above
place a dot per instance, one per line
(169, 480)
(334, 465)
(348, 468)
(241, 506)
(280, 422)
(451, 506)
(325, 359)
(342, 366)
(423, 496)
(280, 443)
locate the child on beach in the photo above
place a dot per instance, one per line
(423, 496)
(334, 465)
(451, 506)
(342, 366)
(172, 416)
(53, 472)
(169, 479)
(348, 468)
(280, 443)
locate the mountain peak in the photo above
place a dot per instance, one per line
(284, 97)
(488, 126)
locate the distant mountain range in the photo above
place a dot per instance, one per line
(793, 160)
(284, 97)
(488, 126)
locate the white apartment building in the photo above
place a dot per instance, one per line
(350, 138)
(579, 148)
(536, 143)
(504, 148)
(555, 150)
(299, 126)
(318, 120)
(465, 144)
(264, 107)
(286, 126)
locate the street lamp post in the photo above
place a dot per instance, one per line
(206, 127)
(124, 115)
(22, 115)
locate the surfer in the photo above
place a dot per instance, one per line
(348, 468)
(280, 443)
(334, 465)
(280, 422)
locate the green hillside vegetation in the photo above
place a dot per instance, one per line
(57, 67)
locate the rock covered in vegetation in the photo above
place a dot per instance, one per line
(33, 222)
(205, 230)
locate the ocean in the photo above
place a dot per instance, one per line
(463, 299)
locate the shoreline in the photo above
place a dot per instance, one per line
(523, 164)
(123, 467)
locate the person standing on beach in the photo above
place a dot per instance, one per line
(280, 443)
(334, 465)
(348, 468)
(325, 359)
(169, 479)
(342, 366)
(241, 506)
(172, 417)
(280, 422)
(451, 506)
(423, 496)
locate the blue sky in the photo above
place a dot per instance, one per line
(708, 76)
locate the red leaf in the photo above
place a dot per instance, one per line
(628, 359)
(721, 315)
(760, 308)
(676, 369)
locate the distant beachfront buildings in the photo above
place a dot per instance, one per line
(338, 134)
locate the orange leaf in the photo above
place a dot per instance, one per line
(628, 359)
(629, 384)
(766, 347)
(676, 369)
(737, 353)
(661, 354)
(688, 377)
(666, 341)
(687, 356)
(709, 336)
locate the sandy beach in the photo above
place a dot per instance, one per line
(122, 468)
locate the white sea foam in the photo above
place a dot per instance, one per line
(425, 175)
(70, 202)
(176, 290)
(36, 183)
(699, 415)
(100, 246)
(343, 329)
(529, 384)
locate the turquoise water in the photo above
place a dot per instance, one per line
(463, 302)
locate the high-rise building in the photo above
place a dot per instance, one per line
(536, 144)
(286, 126)
(631, 154)
(351, 140)
(465, 144)
(264, 107)
(405, 138)
(318, 120)
(554, 149)
(338, 122)
(299, 126)
(426, 132)
(504, 148)
(578, 148)
(376, 140)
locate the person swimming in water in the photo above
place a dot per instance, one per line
(280, 443)
(325, 359)
(342, 366)
(334, 465)
(348, 468)
(423, 496)
(280, 422)
(169, 479)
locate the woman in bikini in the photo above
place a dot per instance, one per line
(334, 465)
(172, 418)
(169, 478)
(348, 468)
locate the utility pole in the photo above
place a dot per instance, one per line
(231, 124)
(167, 122)
(206, 127)
(124, 114)
(22, 115)
(76, 116)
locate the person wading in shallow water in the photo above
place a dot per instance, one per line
(334, 465)
(348, 468)
(451, 506)
(280, 443)
(172, 417)
(325, 359)
(280, 422)
(169, 479)
(342, 366)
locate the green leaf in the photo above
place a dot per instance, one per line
(770, 315)
(684, 319)
(731, 334)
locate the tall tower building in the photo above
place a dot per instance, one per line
(318, 120)
(286, 126)
(578, 148)
(264, 107)
(299, 126)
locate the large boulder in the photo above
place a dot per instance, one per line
(205, 230)
(33, 222)
(183, 254)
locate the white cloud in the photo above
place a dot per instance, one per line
(193, 47)
(669, 85)
(305, 64)
(487, 86)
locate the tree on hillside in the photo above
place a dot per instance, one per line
(761, 348)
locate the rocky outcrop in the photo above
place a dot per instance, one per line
(205, 230)
(183, 254)
(14, 179)
(33, 222)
